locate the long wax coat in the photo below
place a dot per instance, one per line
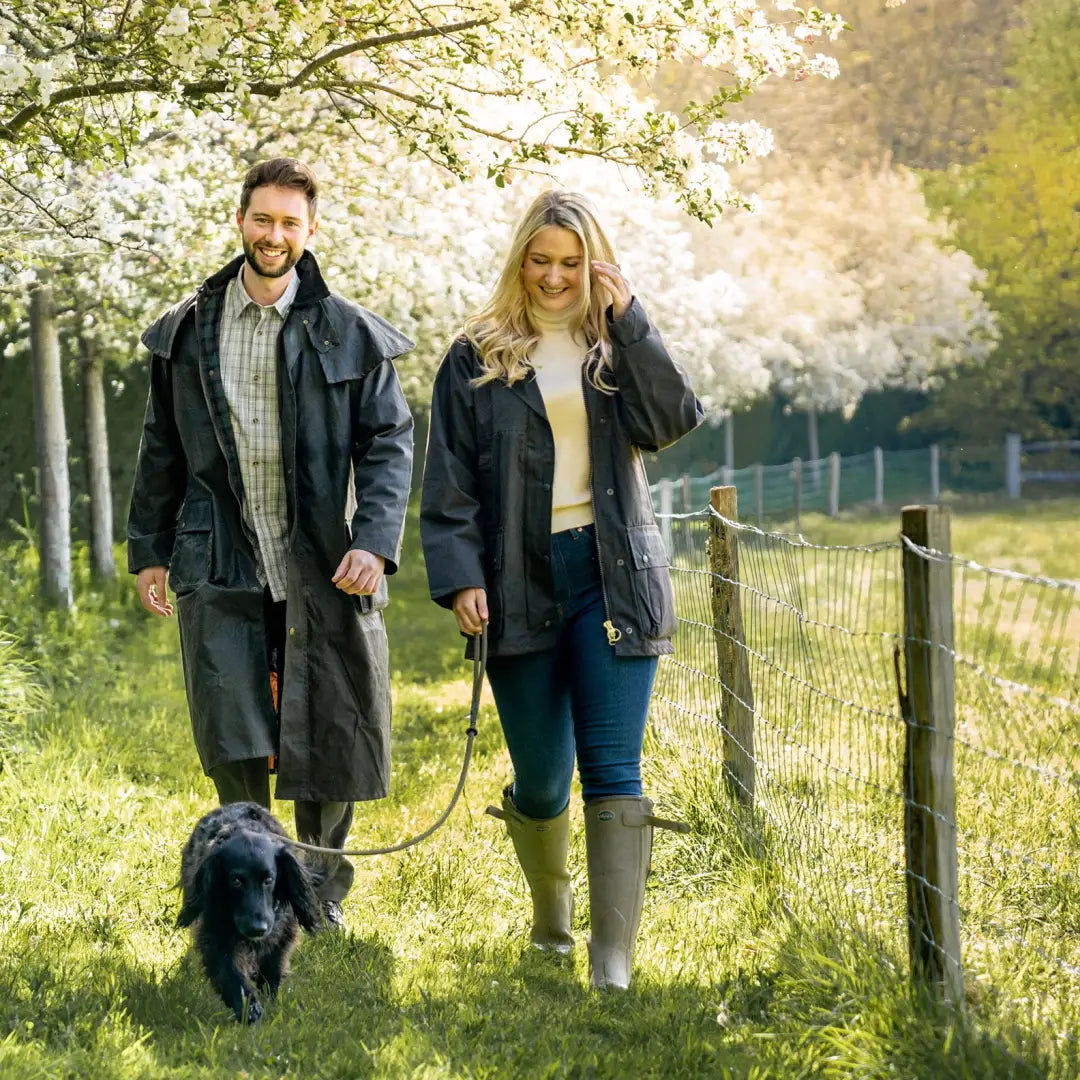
(346, 432)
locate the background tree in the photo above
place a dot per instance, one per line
(1017, 211)
(487, 87)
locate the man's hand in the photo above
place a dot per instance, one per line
(151, 585)
(470, 607)
(359, 573)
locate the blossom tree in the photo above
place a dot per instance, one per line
(845, 284)
(487, 87)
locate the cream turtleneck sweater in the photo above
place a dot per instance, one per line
(557, 358)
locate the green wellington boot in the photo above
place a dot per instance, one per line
(618, 845)
(541, 847)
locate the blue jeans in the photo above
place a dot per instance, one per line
(578, 694)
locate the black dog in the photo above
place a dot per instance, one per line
(245, 893)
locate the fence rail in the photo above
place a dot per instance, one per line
(874, 478)
(895, 731)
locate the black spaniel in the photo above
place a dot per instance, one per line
(245, 894)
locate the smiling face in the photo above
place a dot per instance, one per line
(275, 229)
(554, 269)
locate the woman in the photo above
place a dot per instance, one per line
(536, 518)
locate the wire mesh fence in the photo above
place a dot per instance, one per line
(817, 721)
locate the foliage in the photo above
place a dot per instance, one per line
(485, 88)
(1017, 212)
(837, 286)
(841, 285)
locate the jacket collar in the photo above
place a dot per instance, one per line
(312, 287)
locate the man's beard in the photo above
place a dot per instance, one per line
(280, 270)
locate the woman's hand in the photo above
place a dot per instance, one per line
(610, 276)
(471, 610)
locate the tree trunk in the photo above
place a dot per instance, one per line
(98, 483)
(51, 433)
(814, 445)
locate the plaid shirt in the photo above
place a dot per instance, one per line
(248, 341)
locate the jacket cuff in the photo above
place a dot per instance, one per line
(631, 326)
(390, 559)
(154, 549)
(444, 597)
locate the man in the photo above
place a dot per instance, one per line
(271, 486)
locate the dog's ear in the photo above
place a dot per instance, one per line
(197, 894)
(294, 887)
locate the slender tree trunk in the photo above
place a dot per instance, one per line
(98, 483)
(51, 432)
(814, 445)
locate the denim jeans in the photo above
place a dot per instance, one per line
(576, 695)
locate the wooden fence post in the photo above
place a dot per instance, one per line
(834, 484)
(732, 659)
(1013, 479)
(759, 492)
(935, 473)
(665, 514)
(929, 798)
(879, 476)
(796, 481)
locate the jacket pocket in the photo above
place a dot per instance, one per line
(376, 601)
(189, 566)
(652, 580)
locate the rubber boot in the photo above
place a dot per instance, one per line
(541, 846)
(618, 845)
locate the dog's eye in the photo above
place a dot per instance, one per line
(268, 879)
(236, 882)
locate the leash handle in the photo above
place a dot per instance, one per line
(480, 648)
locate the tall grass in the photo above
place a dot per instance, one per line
(433, 978)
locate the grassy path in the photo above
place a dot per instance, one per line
(432, 980)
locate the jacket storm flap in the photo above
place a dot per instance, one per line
(346, 432)
(485, 517)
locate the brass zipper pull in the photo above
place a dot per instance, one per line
(613, 632)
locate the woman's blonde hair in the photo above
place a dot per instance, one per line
(502, 332)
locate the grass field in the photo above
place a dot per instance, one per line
(99, 788)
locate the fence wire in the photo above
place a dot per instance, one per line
(820, 628)
(1016, 658)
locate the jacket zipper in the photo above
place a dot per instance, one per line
(614, 634)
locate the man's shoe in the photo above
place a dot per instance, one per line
(333, 919)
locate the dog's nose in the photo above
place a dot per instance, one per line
(256, 929)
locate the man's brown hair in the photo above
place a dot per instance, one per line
(281, 172)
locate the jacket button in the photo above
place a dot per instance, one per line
(644, 558)
(547, 622)
(611, 491)
(292, 631)
(326, 341)
(620, 562)
(629, 629)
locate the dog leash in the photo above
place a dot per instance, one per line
(479, 667)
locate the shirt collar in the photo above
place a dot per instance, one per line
(240, 298)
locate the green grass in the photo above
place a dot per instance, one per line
(99, 787)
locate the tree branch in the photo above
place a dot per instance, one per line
(261, 88)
